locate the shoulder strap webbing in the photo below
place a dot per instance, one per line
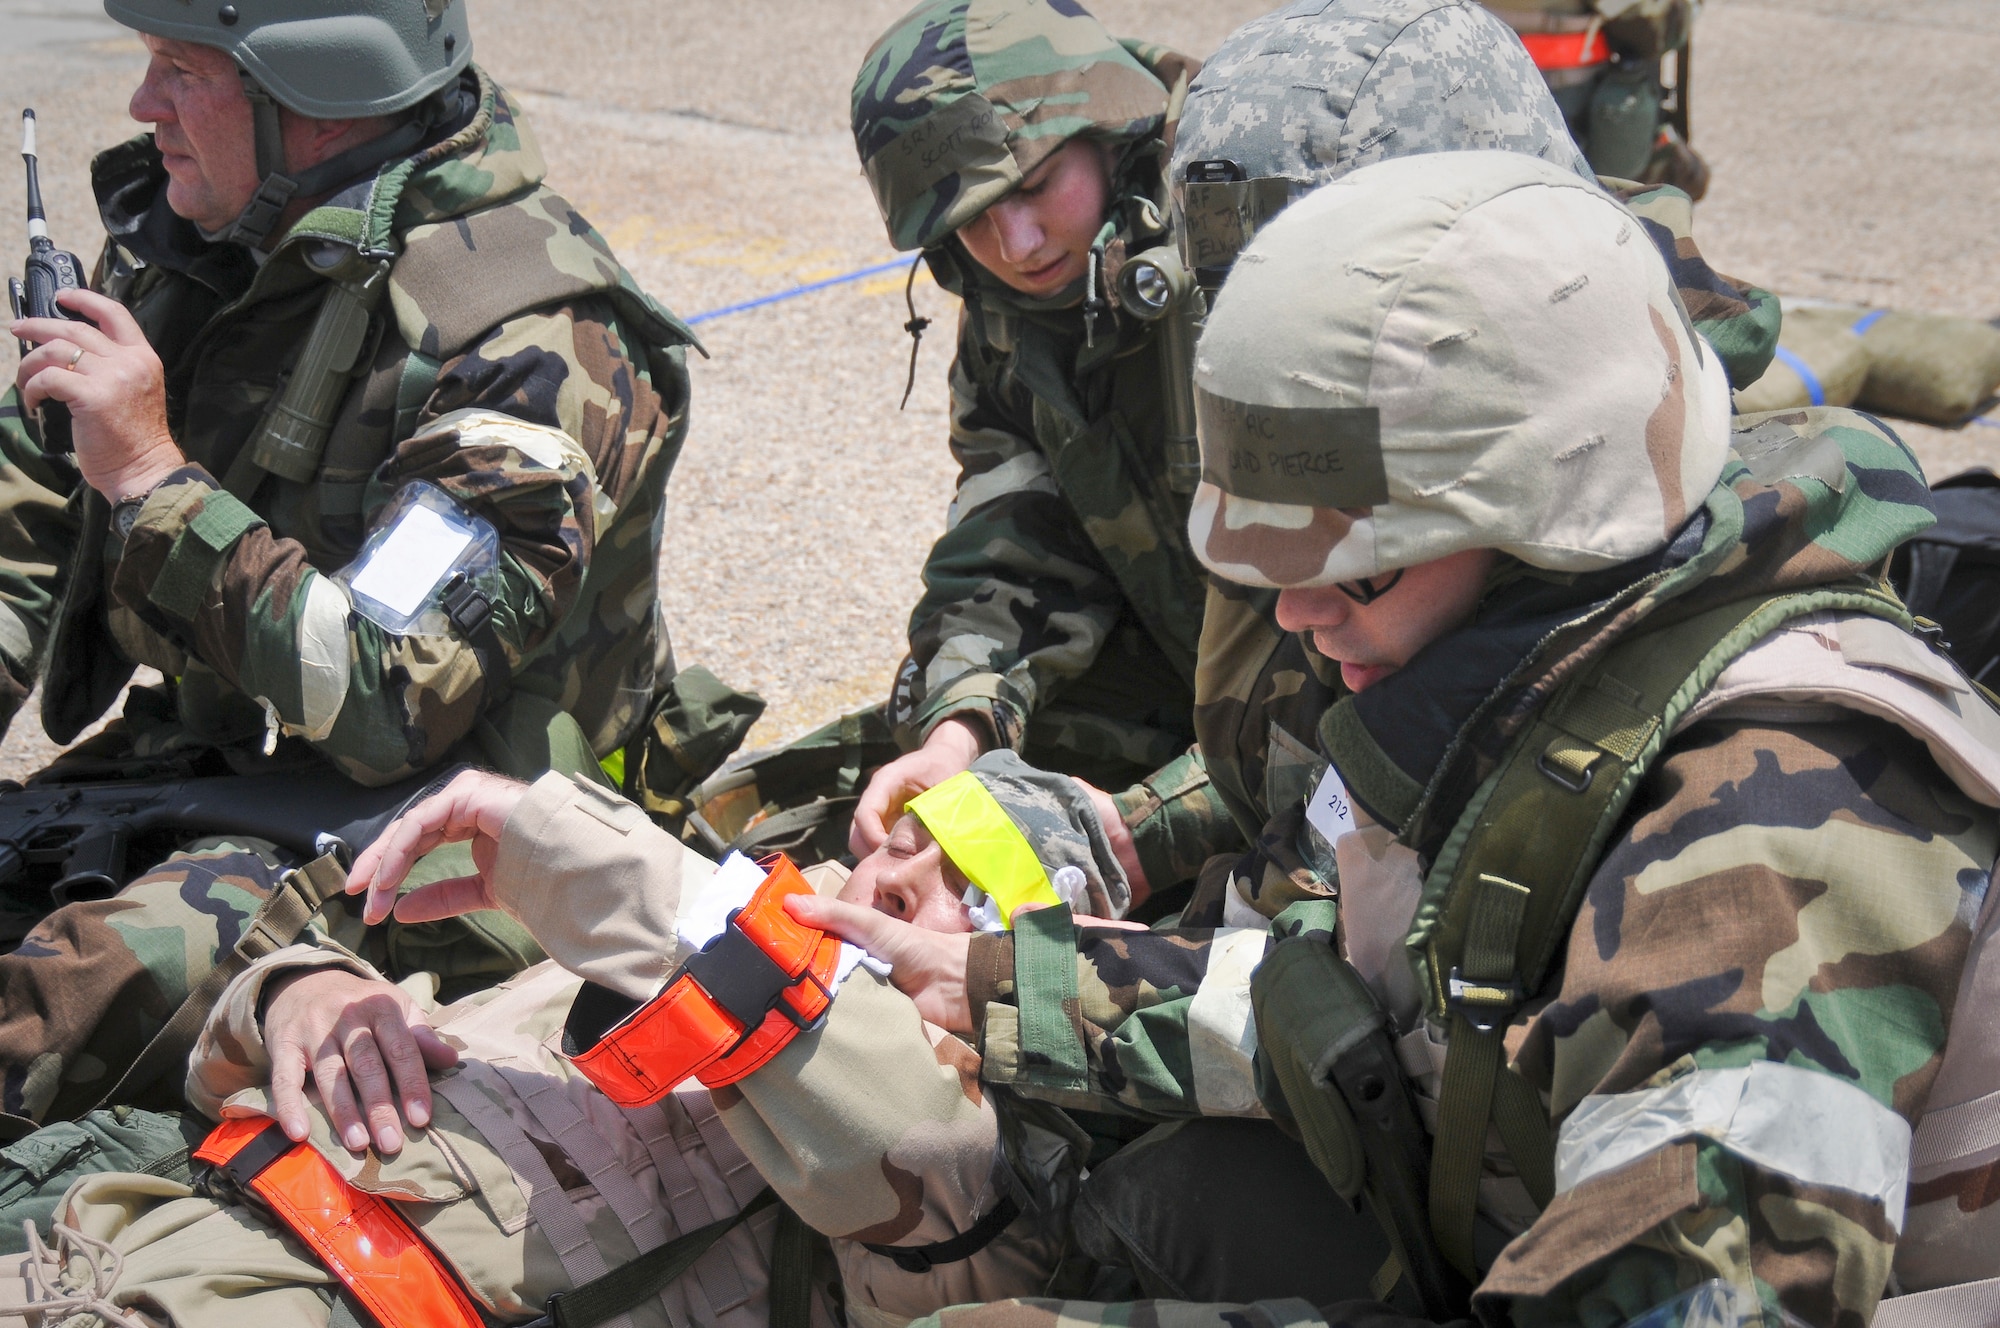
(1522, 853)
(300, 894)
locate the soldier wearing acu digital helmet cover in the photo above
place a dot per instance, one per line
(338, 326)
(1634, 968)
(869, 1125)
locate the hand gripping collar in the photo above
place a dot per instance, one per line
(723, 1014)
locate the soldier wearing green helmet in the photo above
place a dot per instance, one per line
(336, 309)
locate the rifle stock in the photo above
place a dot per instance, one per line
(77, 832)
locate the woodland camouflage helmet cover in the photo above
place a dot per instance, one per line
(330, 61)
(1312, 91)
(961, 98)
(1455, 351)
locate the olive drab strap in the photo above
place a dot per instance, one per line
(1517, 862)
(301, 893)
(292, 436)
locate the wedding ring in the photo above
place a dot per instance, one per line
(74, 358)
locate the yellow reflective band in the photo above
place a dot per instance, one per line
(976, 833)
(614, 766)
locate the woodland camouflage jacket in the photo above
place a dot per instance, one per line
(1062, 604)
(514, 365)
(1793, 886)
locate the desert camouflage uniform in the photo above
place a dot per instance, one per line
(1795, 886)
(873, 1128)
(514, 365)
(1061, 606)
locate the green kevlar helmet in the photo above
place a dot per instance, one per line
(961, 98)
(330, 61)
(347, 59)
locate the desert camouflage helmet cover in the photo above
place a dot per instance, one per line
(1454, 351)
(332, 60)
(1314, 90)
(961, 98)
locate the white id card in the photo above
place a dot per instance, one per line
(1331, 810)
(422, 548)
(421, 539)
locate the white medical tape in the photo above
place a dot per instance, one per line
(323, 657)
(1222, 1028)
(1799, 1123)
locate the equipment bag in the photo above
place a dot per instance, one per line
(1935, 368)
(797, 799)
(698, 722)
(1950, 574)
(38, 1169)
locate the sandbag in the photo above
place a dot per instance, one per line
(1821, 361)
(1929, 367)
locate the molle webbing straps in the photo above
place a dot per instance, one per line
(300, 895)
(359, 1237)
(633, 1284)
(723, 1014)
(1517, 862)
(982, 841)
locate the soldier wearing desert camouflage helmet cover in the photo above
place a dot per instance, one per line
(1293, 99)
(1062, 607)
(496, 368)
(1648, 823)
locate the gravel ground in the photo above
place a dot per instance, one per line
(1851, 142)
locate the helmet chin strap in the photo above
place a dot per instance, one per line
(277, 189)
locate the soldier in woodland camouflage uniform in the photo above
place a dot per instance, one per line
(1759, 991)
(1062, 588)
(1061, 606)
(507, 361)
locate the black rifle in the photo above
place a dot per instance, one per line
(66, 835)
(48, 271)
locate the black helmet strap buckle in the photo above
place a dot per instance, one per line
(277, 188)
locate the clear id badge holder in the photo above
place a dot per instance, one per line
(414, 574)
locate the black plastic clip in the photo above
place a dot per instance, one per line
(466, 604)
(749, 984)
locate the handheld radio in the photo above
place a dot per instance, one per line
(48, 271)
